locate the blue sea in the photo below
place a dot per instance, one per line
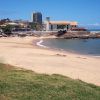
(94, 30)
(82, 46)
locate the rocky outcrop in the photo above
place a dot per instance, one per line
(78, 34)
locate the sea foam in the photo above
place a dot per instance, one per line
(40, 44)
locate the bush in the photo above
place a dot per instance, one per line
(7, 30)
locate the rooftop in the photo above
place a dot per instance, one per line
(63, 22)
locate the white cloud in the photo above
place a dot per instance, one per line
(95, 24)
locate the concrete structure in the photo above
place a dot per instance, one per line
(37, 17)
(59, 25)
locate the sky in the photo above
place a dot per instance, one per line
(83, 11)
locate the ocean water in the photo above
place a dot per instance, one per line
(83, 46)
(94, 30)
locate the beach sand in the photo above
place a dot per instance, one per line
(22, 53)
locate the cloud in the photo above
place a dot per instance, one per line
(95, 24)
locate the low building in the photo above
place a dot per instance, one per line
(59, 25)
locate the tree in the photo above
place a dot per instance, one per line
(7, 30)
(36, 26)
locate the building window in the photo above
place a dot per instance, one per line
(61, 26)
(51, 27)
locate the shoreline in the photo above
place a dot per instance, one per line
(39, 44)
(23, 53)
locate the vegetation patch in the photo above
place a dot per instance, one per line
(27, 85)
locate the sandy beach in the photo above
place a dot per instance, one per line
(22, 53)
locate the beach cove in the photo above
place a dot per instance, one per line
(23, 53)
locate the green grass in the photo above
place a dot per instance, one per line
(26, 85)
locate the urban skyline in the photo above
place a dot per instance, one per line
(82, 11)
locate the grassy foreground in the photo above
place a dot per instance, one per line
(26, 85)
